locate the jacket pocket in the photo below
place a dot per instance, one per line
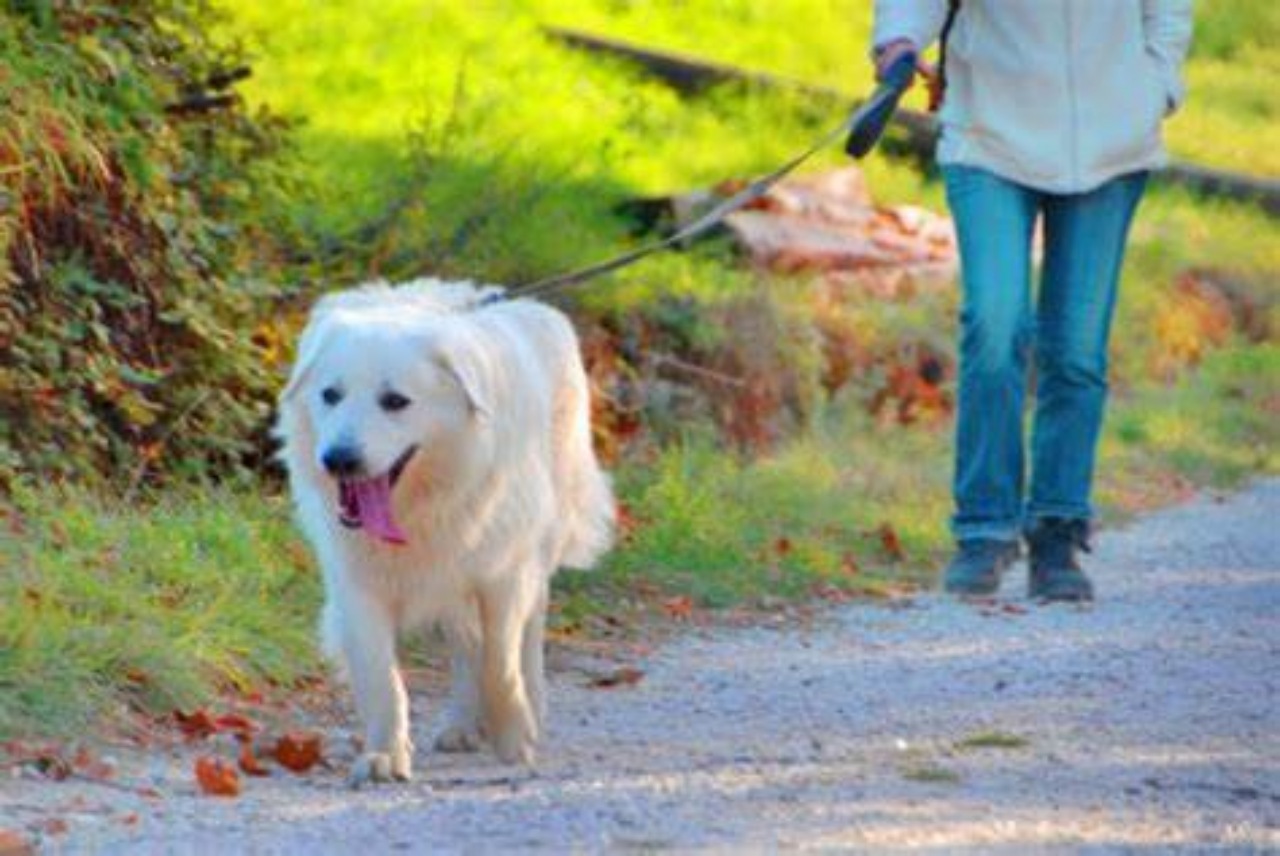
(1130, 108)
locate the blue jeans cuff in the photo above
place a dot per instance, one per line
(987, 530)
(1039, 511)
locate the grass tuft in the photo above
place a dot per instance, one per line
(993, 740)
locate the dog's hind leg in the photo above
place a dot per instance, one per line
(367, 639)
(459, 729)
(531, 661)
(509, 720)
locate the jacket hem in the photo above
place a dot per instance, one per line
(1058, 185)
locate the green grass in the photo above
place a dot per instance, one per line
(993, 740)
(931, 774)
(106, 608)
(364, 76)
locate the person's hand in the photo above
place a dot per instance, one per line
(891, 52)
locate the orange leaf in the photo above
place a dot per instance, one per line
(216, 777)
(626, 521)
(679, 608)
(249, 762)
(235, 723)
(782, 546)
(91, 767)
(14, 844)
(890, 542)
(298, 751)
(196, 725)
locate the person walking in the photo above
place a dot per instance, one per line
(1051, 110)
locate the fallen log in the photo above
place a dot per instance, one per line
(823, 224)
(916, 132)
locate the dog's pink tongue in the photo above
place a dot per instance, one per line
(374, 499)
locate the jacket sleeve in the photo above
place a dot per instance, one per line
(1167, 28)
(918, 20)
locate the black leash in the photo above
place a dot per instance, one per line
(953, 9)
(865, 125)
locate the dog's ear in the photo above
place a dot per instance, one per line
(313, 339)
(464, 365)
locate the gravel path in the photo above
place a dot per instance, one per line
(1149, 720)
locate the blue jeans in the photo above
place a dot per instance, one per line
(1084, 240)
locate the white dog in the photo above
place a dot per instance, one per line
(439, 454)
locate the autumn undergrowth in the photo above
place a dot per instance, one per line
(166, 602)
(455, 140)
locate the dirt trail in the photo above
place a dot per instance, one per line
(1149, 720)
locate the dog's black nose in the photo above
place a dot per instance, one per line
(342, 461)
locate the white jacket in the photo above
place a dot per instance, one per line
(1059, 95)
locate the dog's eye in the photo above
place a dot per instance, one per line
(392, 401)
(331, 395)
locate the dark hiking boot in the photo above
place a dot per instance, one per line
(1055, 569)
(977, 565)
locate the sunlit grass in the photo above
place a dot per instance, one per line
(106, 607)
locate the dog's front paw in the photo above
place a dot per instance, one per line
(373, 767)
(515, 743)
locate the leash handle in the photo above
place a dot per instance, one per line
(870, 121)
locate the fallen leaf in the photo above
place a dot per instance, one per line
(626, 676)
(249, 763)
(782, 546)
(849, 565)
(626, 521)
(216, 777)
(89, 766)
(890, 542)
(679, 608)
(15, 844)
(298, 751)
(196, 725)
(235, 723)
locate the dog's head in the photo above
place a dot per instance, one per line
(380, 390)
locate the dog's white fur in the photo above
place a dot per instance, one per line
(504, 488)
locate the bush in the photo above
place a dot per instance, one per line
(130, 181)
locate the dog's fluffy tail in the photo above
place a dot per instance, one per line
(589, 532)
(589, 510)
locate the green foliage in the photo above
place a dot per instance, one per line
(126, 233)
(1215, 427)
(1234, 29)
(729, 530)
